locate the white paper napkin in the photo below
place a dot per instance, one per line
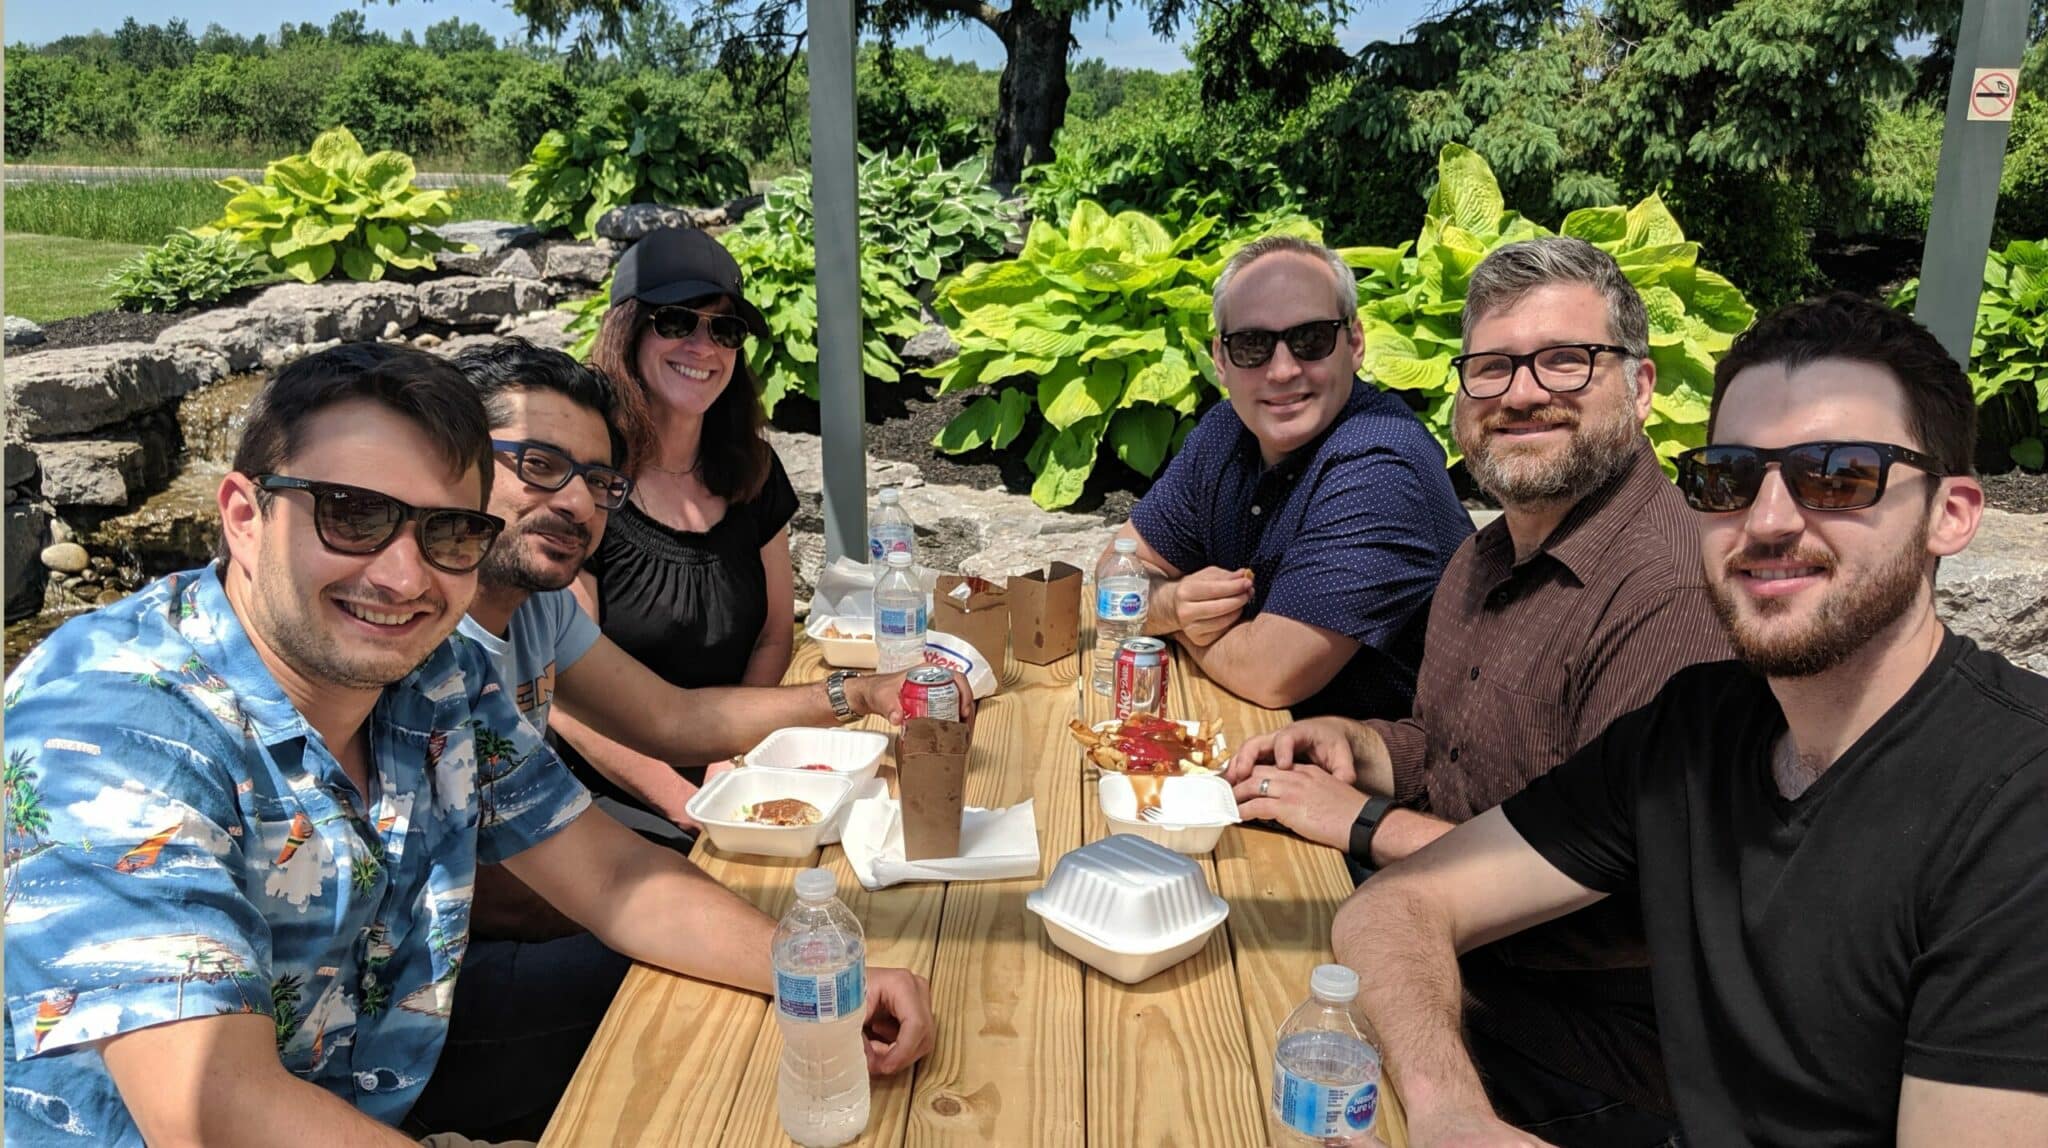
(994, 843)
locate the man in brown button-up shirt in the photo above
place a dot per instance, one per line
(1567, 612)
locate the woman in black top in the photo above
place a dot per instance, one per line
(692, 576)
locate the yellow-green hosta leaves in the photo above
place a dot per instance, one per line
(334, 207)
(2009, 350)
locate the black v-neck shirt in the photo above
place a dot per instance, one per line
(1808, 954)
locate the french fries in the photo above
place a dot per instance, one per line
(1106, 747)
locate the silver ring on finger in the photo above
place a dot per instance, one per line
(1265, 786)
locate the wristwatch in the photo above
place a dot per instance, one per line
(1368, 823)
(835, 692)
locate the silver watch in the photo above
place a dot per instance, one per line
(835, 692)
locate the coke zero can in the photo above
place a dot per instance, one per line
(1140, 677)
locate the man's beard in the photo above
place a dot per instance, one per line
(1848, 617)
(292, 630)
(1600, 447)
(507, 566)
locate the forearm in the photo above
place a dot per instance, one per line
(507, 909)
(1162, 608)
(1405, 952)
(1246, 662)
(667, 912)
(251, 1113)
(727, 721)
(650, 779)
(1402, 832)
(770, 659)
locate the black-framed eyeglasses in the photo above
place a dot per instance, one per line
(1560, 369)
(544, 466)
(1307, 342)
(353, 520)
(679, 322)
(1725, 477)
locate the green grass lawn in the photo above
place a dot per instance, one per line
(57, 277)
(148, 210)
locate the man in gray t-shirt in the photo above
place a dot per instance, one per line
(547, 634)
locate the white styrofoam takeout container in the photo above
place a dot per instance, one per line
(854, 754)
(1197, 809)
(1128, 907)
(845, 653)
(717, 806)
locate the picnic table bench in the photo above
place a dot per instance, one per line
(1033, 1046)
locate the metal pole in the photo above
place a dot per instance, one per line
(1993, 36)
(835, 207)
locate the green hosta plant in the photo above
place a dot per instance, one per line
(336, 207)
(918, 217)
(2009, 349)
(183, 270)
(1098, 333)
(586, 315)
(1410, 296)
(624, 154)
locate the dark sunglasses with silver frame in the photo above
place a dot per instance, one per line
(356, 520)
(1308, 342)
(675, 321)
(1725, 477)
(550, 468)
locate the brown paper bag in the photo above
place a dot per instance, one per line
(982, 620)
(931, 785)
(1045, 609)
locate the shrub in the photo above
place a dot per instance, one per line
(2009, 352)
(183, 270)
(399, 98)
(530, 102)
(334, 206)
(35, 91)
(628, 154)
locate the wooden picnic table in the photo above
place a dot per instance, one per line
(1033, 1046)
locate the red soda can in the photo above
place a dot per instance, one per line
(929, 692)
(1140, 677)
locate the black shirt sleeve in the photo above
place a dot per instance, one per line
(1979, 1013)
(1581, 816)
(776, 504)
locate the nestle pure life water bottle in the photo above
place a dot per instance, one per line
(821, 978)
(890, 528)
(1122, 595)
(1326, 1076)
(899, 616)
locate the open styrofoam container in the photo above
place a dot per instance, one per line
(1196, 810)
(846, 653)
(854, 754)
(717, 808)
(1128, 907)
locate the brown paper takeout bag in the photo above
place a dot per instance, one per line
(931, 785)
(1045, 609)
(982, 619)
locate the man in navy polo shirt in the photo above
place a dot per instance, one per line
(1304, 524)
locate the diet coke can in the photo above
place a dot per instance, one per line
(929, 692)
(1140, 677)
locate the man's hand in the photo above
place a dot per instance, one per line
(1312, 803)
(1208, 602)
(1329, 742)
(899, 1027)
(882, 694)
(1468, 1129)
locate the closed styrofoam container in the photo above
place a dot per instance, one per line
(716, 807)
(1128, 907)
(845, 653)
(1195, 809)
(854, 754)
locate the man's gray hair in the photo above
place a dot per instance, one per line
(1510, 272)
(1257, 249)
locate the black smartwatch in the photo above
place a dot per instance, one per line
(1368, 823)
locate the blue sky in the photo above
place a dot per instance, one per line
(1125, 42)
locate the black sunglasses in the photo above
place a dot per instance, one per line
(352, 520)
(678, 322)
(1559, 369)
(1307, 342)
(1821, 475)
(544, 466)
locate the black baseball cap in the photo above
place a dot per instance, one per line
(677, 264)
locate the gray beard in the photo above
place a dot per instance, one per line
(1599, 450)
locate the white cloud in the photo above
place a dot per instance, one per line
(132, 812)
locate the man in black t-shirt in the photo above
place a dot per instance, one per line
(1841, 840)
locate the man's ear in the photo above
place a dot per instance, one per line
(241, 519)
(1952, 521)
(1645, 384)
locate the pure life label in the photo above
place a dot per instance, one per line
(822, 998)
(1324, 1111)
(1118, 604)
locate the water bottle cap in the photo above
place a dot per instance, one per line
(898, 558)
(891, 494)
(816, 885)
(1328, 982)
(1126, 546)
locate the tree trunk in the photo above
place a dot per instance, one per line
(1033, 96)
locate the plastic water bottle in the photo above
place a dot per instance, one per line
(1122, 595)
(890, 528)
(1326, 1075)
(899, 616)
(820, 1003)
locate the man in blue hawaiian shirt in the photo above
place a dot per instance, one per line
(246, 804)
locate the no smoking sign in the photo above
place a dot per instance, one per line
(1992, 93)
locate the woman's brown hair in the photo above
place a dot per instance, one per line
(732, 455)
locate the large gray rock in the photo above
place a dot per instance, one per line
(930, 347)
(479, 302)
(91, 472)
(633, 220)
(66, 558)
(1997, 591)
(517, 265)
(22, 333)
(492, 238)
(296, 314)
(21, 464)
(76, 389)
(26, 528)
(580, 263)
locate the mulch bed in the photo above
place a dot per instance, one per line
(102, 327)
(2017, 491)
